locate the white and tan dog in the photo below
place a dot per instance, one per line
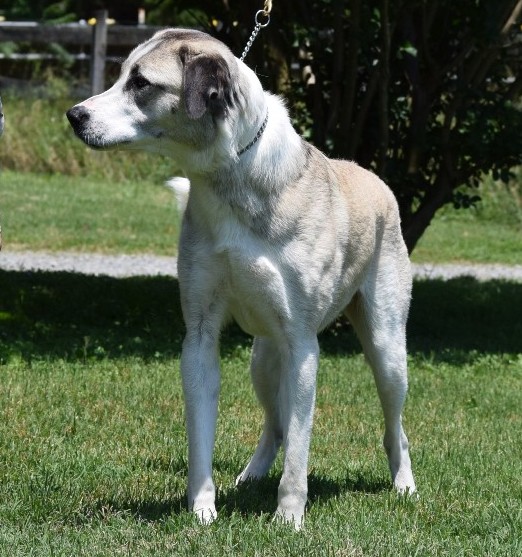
(276, 236)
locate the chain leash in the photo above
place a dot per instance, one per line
(262, 19)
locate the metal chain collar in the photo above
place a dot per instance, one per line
(256, 138)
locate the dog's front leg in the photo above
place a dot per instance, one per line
(297, 401)
(200, 375)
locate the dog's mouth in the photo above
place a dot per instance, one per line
(99, 144)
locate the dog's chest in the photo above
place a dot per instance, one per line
(266, 277)
(244, 269)
(255, 288)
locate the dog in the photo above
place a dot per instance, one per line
(275, 236)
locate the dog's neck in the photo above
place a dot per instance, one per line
(259, 148)
(250, 128)
(256, 137)
(249, 185)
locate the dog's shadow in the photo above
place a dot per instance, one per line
(52, 315)
(260, 496)
(251, 498)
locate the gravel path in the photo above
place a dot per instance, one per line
(89, 263)
(151, 265)
(481, 272)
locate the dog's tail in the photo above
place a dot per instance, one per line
(181, 187)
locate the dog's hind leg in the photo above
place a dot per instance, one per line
(265, 369)
(284, 381)
(378, 314)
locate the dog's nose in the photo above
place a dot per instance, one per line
(78, 116)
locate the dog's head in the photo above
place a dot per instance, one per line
(179, 94)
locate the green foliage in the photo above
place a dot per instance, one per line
(423, 93)
(64, 11)
(58, 12)
(52, 11)
(173, 12)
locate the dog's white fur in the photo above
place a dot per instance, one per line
(280, 238)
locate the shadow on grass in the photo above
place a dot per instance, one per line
(452, 321)
(456, 319)
(260, 496)
(248, 499)
(147, 511)
(75, 316)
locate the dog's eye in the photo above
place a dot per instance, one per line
(139, 82)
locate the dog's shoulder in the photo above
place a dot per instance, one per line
(363, 187)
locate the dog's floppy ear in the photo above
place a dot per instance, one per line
(207, 85)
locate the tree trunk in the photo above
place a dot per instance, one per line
(384, 123)
(415, 226)
(345, 131)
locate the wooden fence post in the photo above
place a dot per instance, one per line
(98, 52)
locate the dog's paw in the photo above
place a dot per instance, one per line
(206, 515)
(249, 474)
(294, 517)
(404, 482)
(410, 493)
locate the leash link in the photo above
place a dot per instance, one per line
(262, 19)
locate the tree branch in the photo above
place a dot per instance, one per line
(436, 197)
(346, 126)
(337, 65)
(384, 124)
(362, 113)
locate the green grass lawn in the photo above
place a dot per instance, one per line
(93, 448)
(454, 239)
(60, 213)
(92, 440)
(490, 232)
(55, 212)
